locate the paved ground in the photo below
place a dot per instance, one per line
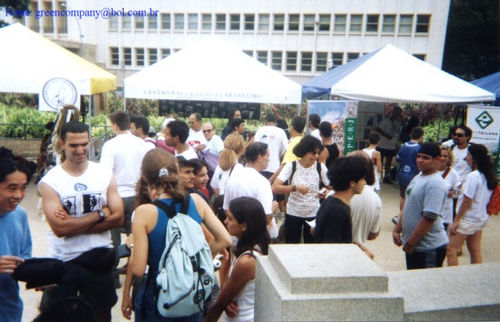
(387, 256)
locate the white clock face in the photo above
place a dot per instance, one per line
(58, 92)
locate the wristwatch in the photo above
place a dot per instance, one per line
(101, 215)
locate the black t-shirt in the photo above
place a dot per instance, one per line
(333, 222)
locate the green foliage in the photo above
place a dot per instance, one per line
(437, 130)
(472, 38)
(23, 122)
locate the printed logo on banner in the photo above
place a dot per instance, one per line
(484, 120)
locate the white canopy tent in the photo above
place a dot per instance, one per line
(28, 60)
(212, 70)
(390, 74)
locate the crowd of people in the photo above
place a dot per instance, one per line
(244, 192)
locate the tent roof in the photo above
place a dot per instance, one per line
(28, 60)
(390, 74)
(490, 83)
(212, 70)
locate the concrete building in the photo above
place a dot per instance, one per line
(299, 38)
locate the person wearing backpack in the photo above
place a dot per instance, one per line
(151, 227)
(472, 215)
(306, 177)
(246, 220)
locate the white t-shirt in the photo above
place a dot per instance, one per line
(188, 154)
(459, 163)
(248, 182)
(123, 155)
(452, 181)
(316, 134)
(196, 138)
(448, 143)
(79, 196)
(475, 187)
(366, 210)
(277, 142)
(299, 205)
(391, 128)
(376, 185)
(219, 179)
(215, 145)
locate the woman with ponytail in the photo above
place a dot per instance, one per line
(234, 146)
(472, 216)
(159, 177)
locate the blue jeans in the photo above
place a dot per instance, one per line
(426, 259)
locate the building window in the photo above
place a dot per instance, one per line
(165, 21)
(291, 61)
(248, 52)
(264, 22)
(339, 24)
(337, 59)
(405, 23)
(206, 21)
(234, 21)
(179, 21)
(193, 21)
(420, 56)
(113, 23)
(389, 23)
(126, 23)
(220, 21)
(152, 55)
(356, 23)
(308, 23)
(153, 22)
(115, 56)
(165, 52)
(139, 22)
(372, 23)
(127, 56)
(276, 58)
(352, 56)
(423, 22)
(324, 22)
(306, 62)
(262, 57)
(321, 62)
(47, 21)
(293, 22)
(279, 22)
(61, 21)
(249, 22)
(139, 56)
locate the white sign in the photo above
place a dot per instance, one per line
(484, 122)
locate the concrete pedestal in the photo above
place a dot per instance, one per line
(324, 282)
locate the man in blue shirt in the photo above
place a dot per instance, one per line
(15, 237)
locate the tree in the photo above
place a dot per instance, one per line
(472, 48)
(14, 8)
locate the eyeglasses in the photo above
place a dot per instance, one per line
(460, 135)
(207, 131)
(317, 152)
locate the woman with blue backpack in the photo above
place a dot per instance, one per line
(162, 233)
(246, 220)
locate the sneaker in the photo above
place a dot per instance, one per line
(395, 219)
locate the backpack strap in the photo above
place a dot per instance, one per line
(170, 210)
(294, 168)
(446, 172)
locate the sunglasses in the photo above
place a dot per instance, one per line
(207, 131)
(460, 135)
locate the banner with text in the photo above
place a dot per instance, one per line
(484, 122)
(342, 115)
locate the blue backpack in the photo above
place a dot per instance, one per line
(185, 272)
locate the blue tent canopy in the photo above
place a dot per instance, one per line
(491, 83)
